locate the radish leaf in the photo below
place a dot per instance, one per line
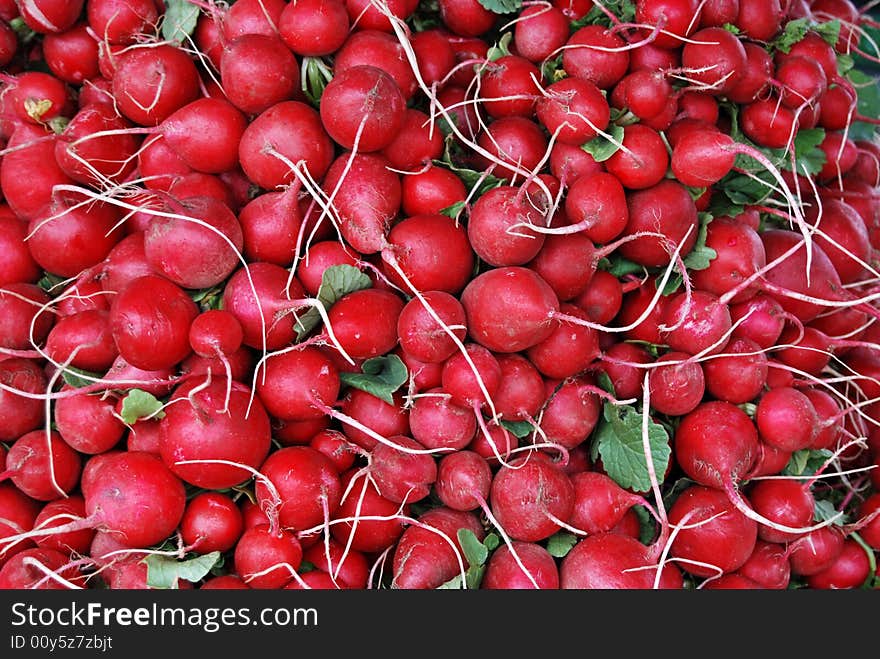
(619, 443)
(337, 281)
(180, 20)
(77, 378)
(559, 544)
(518, 429)
(501, 6)
(381, 377)
(163, 572)
(601, 148)
(139, 404)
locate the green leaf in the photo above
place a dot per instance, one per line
(647, 527)
(603, 380)
(318, 74)
(672, 284)
(164, 571)
(868, 93)
(380, 376)
(733, 29)
(829, 31)
(806, 462)
(749, 409)
(501, 6)
(619, 442)
(845, 63)
(474, 551)
(500, 49)
(492, 542)
(624, 10)
(552, 70)
(560, 543)
(701, 256)
(139, 404)
(825, 511)
(50, 282)
(74, 377)
(518, 429)
(454, 210)
(619, 266)
(477, 182)
(337, 281)
(794, 32)
(179, 20)
(601, 148)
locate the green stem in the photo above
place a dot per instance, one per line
(872, 560)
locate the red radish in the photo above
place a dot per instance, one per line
(58, 512)
(314, 27)
(305, 487)
(335, 446)
(642, 161)
(380, 50)
(463, 480)
(429, 554)
(149, 84)
(197, 248)
(596, 54)
(347, 569)
(23, 316)
(786, 419)
(716, 444)
(540, 32)
(739, 255)
(288, 131)
(431, 191)
(421, 335)
(70, 234)
(850, 569)
(206, 134)
(215, 331)
(498, 227)
(598, 203)
(211, 522)
(366, 197)
(696, 324)
(214, 422)
(352, 312)
(599, 503)
(416, 144)
(759, 20)
(531, 497)
(368, 108)
(320, 256)
(27, 196)
(374, 413)
(434, 54)
(503, 572)
(763, 320)
(517, 142)
(18, 574)
(368, 16)
(142, 304)
(677, 387)
(258, 72)
(252, 17)
(18, 513)
(768, 125)
(282, 388)
(605, 561)
(472, 377)
(264, 311)
(569, 349)
(739, 375)
(509, 309)
(570, 414)
(767, 566)
(567, 263)
(602, 298)
(432, 251)
(18, 265)
(783, 501)
(466, 18)
(88, 423)
(574, 109)
(266, 558)
(816, 551)
(437, 422)
(719, 539)
(91, 159)
(43, 466)
(120, 21)
(402, 477)
(362, 500)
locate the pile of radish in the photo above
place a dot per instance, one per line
(442, 294)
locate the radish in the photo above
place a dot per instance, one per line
(23, 318)
(402, 477)
(368, 108)
(718, 538)
(503, 572)
(437, 422)
(58, 512)
(139, 307)
(88, 423)
(211, 522)
(606, 561)
(258, 72)
(531, 498)
(267, 559)
(314, 27)
(677, 385)
(42, 466)
(378, 415)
